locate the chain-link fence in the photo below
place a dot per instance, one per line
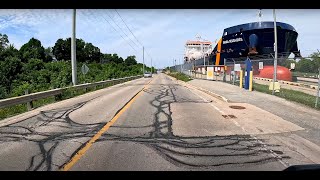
(294, 74)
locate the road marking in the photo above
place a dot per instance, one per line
(83, 150)
(215, 107)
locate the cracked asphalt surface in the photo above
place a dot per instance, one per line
(169, 127)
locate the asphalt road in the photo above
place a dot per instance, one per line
(148, 124)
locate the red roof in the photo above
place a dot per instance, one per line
(198, 42)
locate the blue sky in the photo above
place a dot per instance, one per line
(163, 32)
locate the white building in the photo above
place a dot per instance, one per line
(196, 50)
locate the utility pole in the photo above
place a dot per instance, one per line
(175, 65)
(73, 50)
(204, 56)
(143, 58)
(318, 91)
(151, 65)
(275, 51)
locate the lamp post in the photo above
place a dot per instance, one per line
(73, 50)
(143, 58)
(275, 51)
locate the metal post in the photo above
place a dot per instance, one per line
(29, 104)
(234, 72)
(204, 60)
(182, 66)
(143, 58)
(224, 70)
(241, 78)
(73, 50)
(173, 65)
(151, 65)
(275, 51)
(318, 92)
(250, 80)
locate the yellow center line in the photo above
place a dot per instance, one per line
(83, 150)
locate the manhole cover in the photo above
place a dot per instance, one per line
(237, 107)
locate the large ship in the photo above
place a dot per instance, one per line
(256, 41)
(253, 40)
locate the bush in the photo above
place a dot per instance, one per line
(180, 76)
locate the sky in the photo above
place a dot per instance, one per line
(163, 32)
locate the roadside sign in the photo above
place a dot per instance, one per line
(84, 69)
(210, 73)
(260, 65)
(237, 67)
(276, 86)
(292, 65)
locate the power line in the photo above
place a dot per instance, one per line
(116, 31)
(131, 32)
(120, 28)
(128, 28)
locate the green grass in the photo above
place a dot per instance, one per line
(13, 110)
(290, 95)
(302, 74)
(70, 93)
(180, 76)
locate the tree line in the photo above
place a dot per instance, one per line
(36, 68)
(306, 65)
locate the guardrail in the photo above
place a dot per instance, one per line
(44, 94)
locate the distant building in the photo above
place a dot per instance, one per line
(196, 50)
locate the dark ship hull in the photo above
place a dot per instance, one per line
(256, 41)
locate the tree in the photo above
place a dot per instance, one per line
(3, 41)
(48, 54)
(33, 65)
(62, 50)
(32, 49)
(80, 44)
(92, 53)
(106, 58)
(305, 65)
(10, 51)
(112, 58)
(316, 59)
(130, 60)
(9, 69)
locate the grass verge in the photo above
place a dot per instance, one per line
(180, 76)
(290, 95)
